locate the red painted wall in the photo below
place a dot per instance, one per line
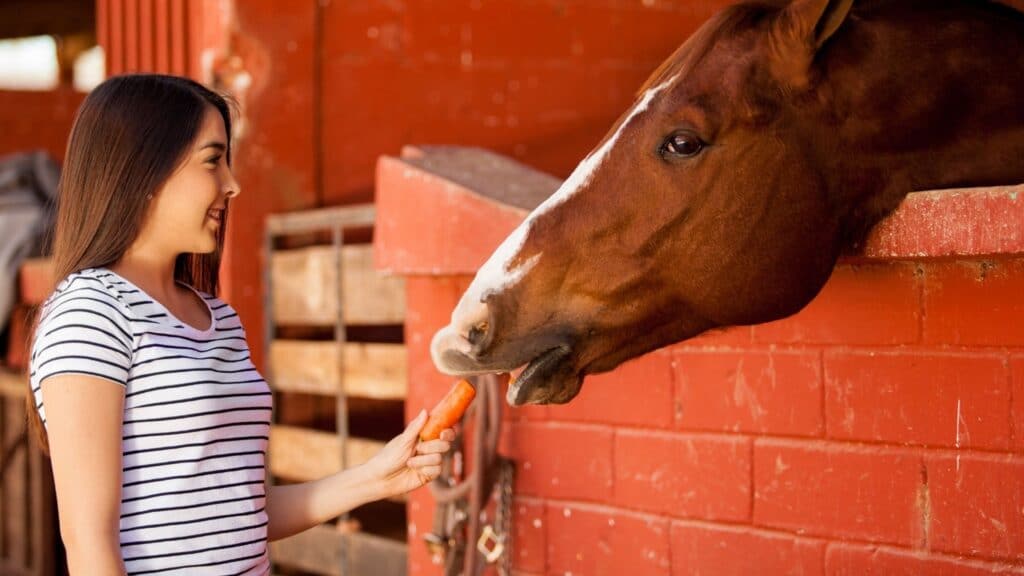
(337, 84)
(878, 431)
(37, 120)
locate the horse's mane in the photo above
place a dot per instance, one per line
(731, 20)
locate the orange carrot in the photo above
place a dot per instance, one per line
(448, 410)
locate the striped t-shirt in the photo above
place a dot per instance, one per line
(196, 422)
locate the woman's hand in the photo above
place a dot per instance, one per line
(405, 463)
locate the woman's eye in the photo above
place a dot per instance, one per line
(682, 144)
(213, 160)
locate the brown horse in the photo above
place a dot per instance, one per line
(769, 143)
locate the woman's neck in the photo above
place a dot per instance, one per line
(151, 272)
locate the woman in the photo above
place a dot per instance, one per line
(156, 419)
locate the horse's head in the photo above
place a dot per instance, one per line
(708, 204)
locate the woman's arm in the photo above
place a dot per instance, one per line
(84, 417)
(402, 465)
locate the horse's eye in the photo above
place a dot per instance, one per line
(684, 144)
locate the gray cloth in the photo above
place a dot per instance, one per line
(28, 193)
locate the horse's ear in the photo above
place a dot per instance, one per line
(797, 34)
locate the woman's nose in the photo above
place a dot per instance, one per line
(231, 188)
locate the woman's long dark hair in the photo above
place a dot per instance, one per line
(129, 136)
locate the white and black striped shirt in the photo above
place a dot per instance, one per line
(196, 422)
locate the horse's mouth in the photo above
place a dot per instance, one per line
(547, 379)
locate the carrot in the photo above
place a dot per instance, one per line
(448, 410)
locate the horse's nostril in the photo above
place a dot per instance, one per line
(477, 333)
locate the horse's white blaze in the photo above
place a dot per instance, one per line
(497, 274)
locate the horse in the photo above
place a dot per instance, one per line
(764, 148)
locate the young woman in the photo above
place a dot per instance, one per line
(156, 419)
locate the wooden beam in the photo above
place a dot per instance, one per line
(301, 454)
(322, 550)
(305, 291)
(20, 18)
(12, 384)
(321, 219)
(370, 370)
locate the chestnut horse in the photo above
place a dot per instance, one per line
(770, 142)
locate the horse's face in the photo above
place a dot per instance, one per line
(700, 209)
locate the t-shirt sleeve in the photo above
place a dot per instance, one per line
(83, 332)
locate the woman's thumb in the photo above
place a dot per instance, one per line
(414, 427)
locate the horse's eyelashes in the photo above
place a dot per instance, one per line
(682, 145)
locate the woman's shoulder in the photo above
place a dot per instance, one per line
(94, 288)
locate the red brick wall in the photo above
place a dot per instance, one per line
(878, 431)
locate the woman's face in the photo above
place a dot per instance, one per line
(186, 213)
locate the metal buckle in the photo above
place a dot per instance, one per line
(488, 537)
(436, 545)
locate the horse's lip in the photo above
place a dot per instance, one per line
(547, 379)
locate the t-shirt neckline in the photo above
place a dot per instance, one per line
(170, 315)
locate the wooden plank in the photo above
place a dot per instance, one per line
(12, 384)
(42, 497)
(321, 219)
(15, 485)
(371, 370)
(369, 554)
(305, 293)
(320, 550)
(301, 454)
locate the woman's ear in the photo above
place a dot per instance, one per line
(798, 32)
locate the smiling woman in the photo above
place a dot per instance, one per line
(156, 417)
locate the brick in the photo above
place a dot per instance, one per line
(683, 475)
(605, 541)
(562, 460)
(529, 535)
(838, 491)
(412, 201)
(974, 303)
(952, 222)
(420, 510)
(729, 337)
(760, 392)
(1017, 407)
(977, 504)
(640, 392)
(910, 398)
(870, 304)
(699, 548)
(842, 559)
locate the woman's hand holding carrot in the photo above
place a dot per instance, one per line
(405, 463)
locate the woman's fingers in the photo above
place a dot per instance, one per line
(424, 460)
(428, 473)
(448, 434)
(433, 447)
